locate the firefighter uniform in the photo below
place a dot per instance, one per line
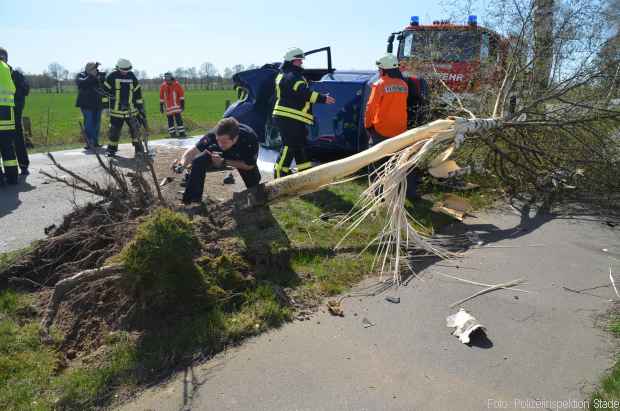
(172, 100)
(124, 101)
(292, 114)
(7, 124)
(386, 112)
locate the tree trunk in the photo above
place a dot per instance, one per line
(543, 45)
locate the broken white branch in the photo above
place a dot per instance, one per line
(613, 283)
(488, 290)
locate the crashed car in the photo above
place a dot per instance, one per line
(338, 129)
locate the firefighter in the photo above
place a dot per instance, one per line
(172, 99)
(386, 110)
(7, 123)
(124, 102)
(293, 112)
(228, 144)
(22, 89)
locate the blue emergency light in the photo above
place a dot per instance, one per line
(472, 20)
(415, 20)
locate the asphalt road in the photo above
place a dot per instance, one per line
(546, 345)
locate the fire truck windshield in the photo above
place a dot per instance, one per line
(450, 45)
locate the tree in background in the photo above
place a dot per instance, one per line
(59, 74)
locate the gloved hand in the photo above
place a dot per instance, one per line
(183, 105)
(161, 108)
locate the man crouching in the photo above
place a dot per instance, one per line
(228, 144)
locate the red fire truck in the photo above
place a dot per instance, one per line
(467, 57)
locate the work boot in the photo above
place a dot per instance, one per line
(111, 152)
(182, 134)
(229, 179)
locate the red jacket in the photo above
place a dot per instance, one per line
(386, 110)
(171, 96)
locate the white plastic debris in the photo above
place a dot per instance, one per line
(464, 324)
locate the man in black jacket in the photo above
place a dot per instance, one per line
(228, 144)
(89, 83)
(292, 112)
(22, 89)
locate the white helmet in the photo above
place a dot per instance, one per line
(293, 54)
(389, 61)
(123, 64)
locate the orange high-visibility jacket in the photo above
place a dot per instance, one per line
(386, 110)
(171, 95)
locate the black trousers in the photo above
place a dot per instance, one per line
(196, 182)
(294, 134)
(179, 128)
(7, 144)
(20, 143)
(116, 125)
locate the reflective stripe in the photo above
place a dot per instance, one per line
(304, 166)
(117, 94)
(292, 116)
(140, 101)
(10, 163)
(280, 164)
(137, 88)
(298, 84)
(8, 124)
(314, 97)
(300, 113)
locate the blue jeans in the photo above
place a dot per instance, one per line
(92, 124)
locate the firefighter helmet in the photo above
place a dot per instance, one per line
(294, 53)
(123, 64)
(387, 62)
(168, 76)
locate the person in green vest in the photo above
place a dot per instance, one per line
(7, 125)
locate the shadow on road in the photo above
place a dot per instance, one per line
(9, 197)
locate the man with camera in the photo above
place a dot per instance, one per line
(228, 144)
(89, 84)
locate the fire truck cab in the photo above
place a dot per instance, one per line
(465, 57)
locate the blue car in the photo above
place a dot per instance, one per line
(339, 128)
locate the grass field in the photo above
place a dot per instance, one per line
(55, 118)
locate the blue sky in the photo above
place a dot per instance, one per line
(162, 35)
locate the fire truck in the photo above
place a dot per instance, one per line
(467, 58)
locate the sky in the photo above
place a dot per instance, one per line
(159, 36)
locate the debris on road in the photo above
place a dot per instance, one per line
(453, 206)
(613, 283)
(335, 308)
(393, 300)
(366, 323)
(488, 290)
(465, 324)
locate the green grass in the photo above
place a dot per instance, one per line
(55, 118)
(609, 388)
